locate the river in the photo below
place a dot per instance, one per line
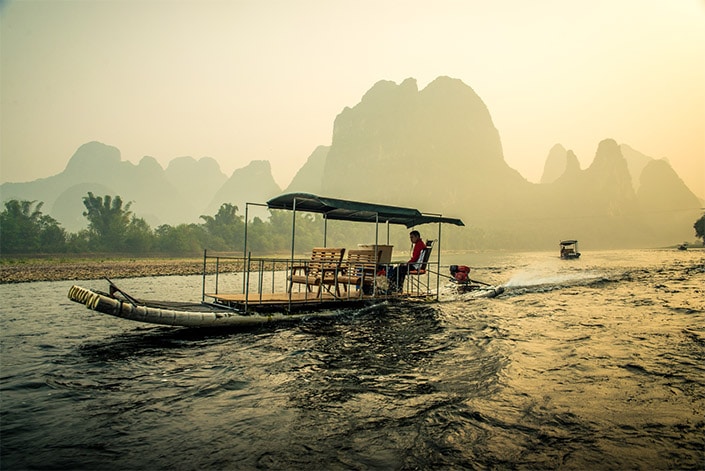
(596, 363)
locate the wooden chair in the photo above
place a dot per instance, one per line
(321, 269)
(358, 270)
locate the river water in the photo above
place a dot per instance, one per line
(597, 363)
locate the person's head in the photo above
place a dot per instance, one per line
(414, 236)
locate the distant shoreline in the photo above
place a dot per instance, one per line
(37, 269)
(30, 269)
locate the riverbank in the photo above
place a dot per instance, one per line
(22, 270)
(28, 270)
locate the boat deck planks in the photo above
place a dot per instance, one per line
(299, 298)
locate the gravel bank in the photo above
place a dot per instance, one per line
(95, 269)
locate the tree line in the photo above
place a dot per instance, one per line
(113, 228)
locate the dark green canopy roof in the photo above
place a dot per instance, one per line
(346, 210)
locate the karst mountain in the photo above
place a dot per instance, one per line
(435, 149)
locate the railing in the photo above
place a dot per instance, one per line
(255, 277)
(224, 273)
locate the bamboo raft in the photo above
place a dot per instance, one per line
(263, 290)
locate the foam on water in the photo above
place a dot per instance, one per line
(550, 274)
(527, 279)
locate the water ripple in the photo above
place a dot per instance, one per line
(595, 364)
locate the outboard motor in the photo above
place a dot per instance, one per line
(460, 273)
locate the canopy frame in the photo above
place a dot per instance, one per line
(349, 210)
(358, 211)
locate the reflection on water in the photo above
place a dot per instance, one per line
(585, 364)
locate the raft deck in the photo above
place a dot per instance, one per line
(301, 300)
(253, 283)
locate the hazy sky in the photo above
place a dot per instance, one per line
(264, 79)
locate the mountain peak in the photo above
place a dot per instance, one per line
(150, 165)
(386, 90)
(559, 163)
(397, 128)
(252, 183)
(189, 164)
(608, 152)
(662, 189)
(93, 157)
(572, 166)
(255, 168)
(555, 164)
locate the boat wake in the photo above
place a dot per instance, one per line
(528, 279)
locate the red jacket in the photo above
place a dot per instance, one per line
(418, 247)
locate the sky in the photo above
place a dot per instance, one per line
(245, 80)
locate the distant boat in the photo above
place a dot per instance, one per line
(683, 246)
(569, 249)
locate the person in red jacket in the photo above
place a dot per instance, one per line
(396, 275)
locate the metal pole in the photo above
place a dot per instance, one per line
(376, 231)
(203, 290)
(247, 283)
(374, 274)
(293, 242)
(217, 271)
(293, 231)
(244, 249)
(438, 261)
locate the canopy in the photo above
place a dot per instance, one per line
(346, 210)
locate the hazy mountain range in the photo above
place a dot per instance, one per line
(436, 149)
